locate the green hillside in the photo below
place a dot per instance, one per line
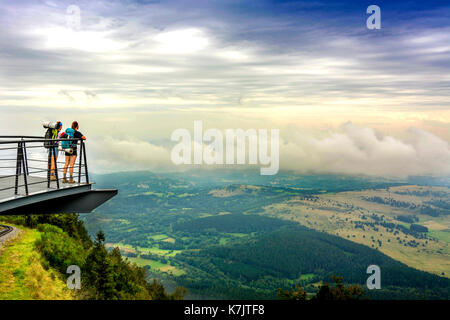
(232, 223)
(23, 274)
(33, 265)
(288, 255)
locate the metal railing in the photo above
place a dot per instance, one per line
(26, 156)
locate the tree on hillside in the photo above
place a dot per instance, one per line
(112, 277)
(326, 292)
(300, 294)
(339, 291)
(100, 275)
(69, 223)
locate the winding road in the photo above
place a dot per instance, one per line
(7, 232)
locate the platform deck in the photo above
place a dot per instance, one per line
(35, 185)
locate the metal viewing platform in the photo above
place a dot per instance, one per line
(27, 185)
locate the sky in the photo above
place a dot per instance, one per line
(345, 98)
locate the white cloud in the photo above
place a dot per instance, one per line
(181, 42)
(55, 38)
(111, 154)
(360, 150)
(352, 149)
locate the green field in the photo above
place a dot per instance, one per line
(443, 235)
(239, 235)
(154, 250)
(307, 277)
(161, 252)
(157, 266)
(158, 237)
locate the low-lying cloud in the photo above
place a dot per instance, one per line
(361, 150)
(112, 154)
(351, 149)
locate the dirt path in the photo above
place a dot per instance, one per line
(9, 236)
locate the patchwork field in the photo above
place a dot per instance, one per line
(157, 266)
(159, 263)
(381, 219)
(143, 250)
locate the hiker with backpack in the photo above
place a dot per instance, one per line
(52, 134)
(70, 148)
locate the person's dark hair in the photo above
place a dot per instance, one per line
(74, 125)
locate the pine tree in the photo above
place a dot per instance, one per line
(100, 276)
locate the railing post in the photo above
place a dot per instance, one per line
(85, 163)
(19, 157)
(18, 164)
(25, 156)
(80, 160)
(49, 167)
(56, 166)
(25, 180)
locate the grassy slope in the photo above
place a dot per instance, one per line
(22, 276)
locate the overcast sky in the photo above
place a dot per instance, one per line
(345, 98)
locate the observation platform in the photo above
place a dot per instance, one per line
(26, 186)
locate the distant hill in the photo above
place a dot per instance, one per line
(233, 223)
(224, 177)
(291, 252)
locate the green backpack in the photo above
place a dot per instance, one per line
(51, 134)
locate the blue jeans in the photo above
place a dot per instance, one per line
(55, 153)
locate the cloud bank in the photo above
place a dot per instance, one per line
(352, 150)
(360, 150)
